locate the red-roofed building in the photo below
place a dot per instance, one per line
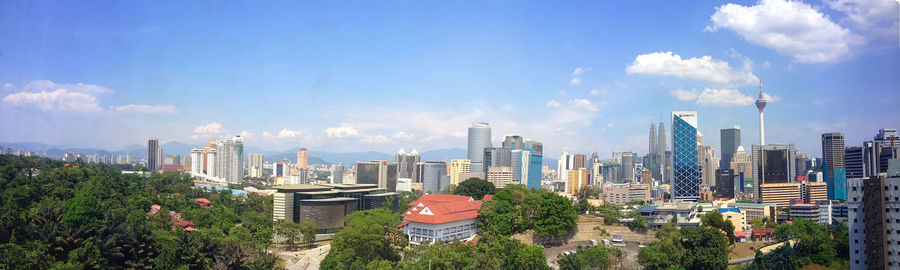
(202, 201)
(441, 217)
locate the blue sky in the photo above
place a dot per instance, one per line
(364, 75)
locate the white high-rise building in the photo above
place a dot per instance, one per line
(230, 160)
(873, 215)
(211, 163)
(563, 165)
(519, 164)
(197, 161)
(479, 139)
(255, 165)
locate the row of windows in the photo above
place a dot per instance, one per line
(459, 228)
(421, 231)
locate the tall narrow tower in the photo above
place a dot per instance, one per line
(761, 104)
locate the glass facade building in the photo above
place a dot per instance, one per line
(730, 140)
(685, 162)
(479, 139)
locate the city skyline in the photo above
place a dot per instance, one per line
(377, 76)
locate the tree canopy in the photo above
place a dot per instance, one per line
(475, 187)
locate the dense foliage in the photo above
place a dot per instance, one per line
(75, 216)
(516, 209)
(687, 248)
(475, 187)
(598, 257)
(369, 238)
(814, 244)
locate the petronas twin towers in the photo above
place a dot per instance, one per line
(658, 147)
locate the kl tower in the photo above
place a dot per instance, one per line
(761, 104)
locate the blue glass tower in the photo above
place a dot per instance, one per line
(685, 162)
(535, 163)
(837, 185)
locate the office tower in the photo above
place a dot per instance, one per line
(519, 162)
(535, 147)
(479, 139)
(303, 159)
(854, 162)
(887, 140)
(597, 175)
(197, 161)
(709, 163)
(872, 204)
(280, 169)
(211, 163)
(563, 166)
(761, 104)
(833, 152)
(581, 161)
(800, 162)
(685, 160)
(496, 157)
(230, 160)
(379, 172)
(433, 175)
(255, 165)
(337, 173)
(662, 150)
(627, 166)
(730, 139)
(500, 176)
(813, 192)
(458, 166)
(152, 152)
(406, 164)
(741, 163)
(513, 142)
(535, 163)
(577, 180)
(159, 158)
(774, 164)
(651, 147)
(725, 183)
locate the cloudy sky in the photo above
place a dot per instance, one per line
(380, 75)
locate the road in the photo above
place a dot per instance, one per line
(305, 259)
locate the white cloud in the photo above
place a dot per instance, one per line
(770, 98)
(208, 131)
(576, 75)
(343, 131)
(74, 87)
(724, 97)
(595, 92)
(703, 69)
(146, 109)
(584, 105)
(58, 100)
(684, 94)
(621, 84)
(404, 135)
(553, 104)
(288, 134)
(876, 17)
(788, 27)
(377, 139)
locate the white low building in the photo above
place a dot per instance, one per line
(440, 217)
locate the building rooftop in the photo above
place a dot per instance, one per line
(302, 187)
(441, 208)
(335, 199)
(726, 210)
(383, 194)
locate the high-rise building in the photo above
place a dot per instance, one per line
(653, 140)
(497, 157)
(379, 172)
(597, 175)
(535, 147)
(581, 161)
(833, 151)
(406, 164)
(662, 151)
(433, 175)
(152, 152)
(337, 173)
(627, 166)
(159, 158)
(230, 160)
(725, 183)
(577, 180)
(872, 223)
(563, 165)
(458, 166)
(519, 162)
(709, 163)
(536, 163)
(685, 159)
(730, 139)
(741, 163)
(773, 163)
(303, 159)
(172, 160)
(255, 165)
(513, 142)
(500, 176)
(197, 160)
(479, 139)
(211, 157)
(854, 162)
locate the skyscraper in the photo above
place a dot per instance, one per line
(685, 160)
(563, 166)
(479, 139)
(303, 159)
(513, 142)
(833, 152)
(773, 164)
(458, 166)
(197, 161)
(536, 162)
(433, 175)
(760, 105)
(651, 147)
(709, 163)
(255, 165)
(230, 160)
(519, 165)
(627, 166)
(581, 161)
(379, 172)
(337, 173)
(406, 164)
(662, 148)
(496, 157)
(730, 139)
(152, 152)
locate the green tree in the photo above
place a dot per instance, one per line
(666, 230)
(661, 255)
(783, 232)
(308, 230)
(289, 231)
(556, 216)
(475, 187)
(369, 235)
(706, 248)
(841, 236)
(640, 224)
(527, 257)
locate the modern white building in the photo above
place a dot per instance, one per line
(457, 167)
(255, 165)
(440, 217)
(479, 139)
(404, 184)
(500, 176)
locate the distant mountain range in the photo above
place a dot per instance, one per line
(138, 152)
